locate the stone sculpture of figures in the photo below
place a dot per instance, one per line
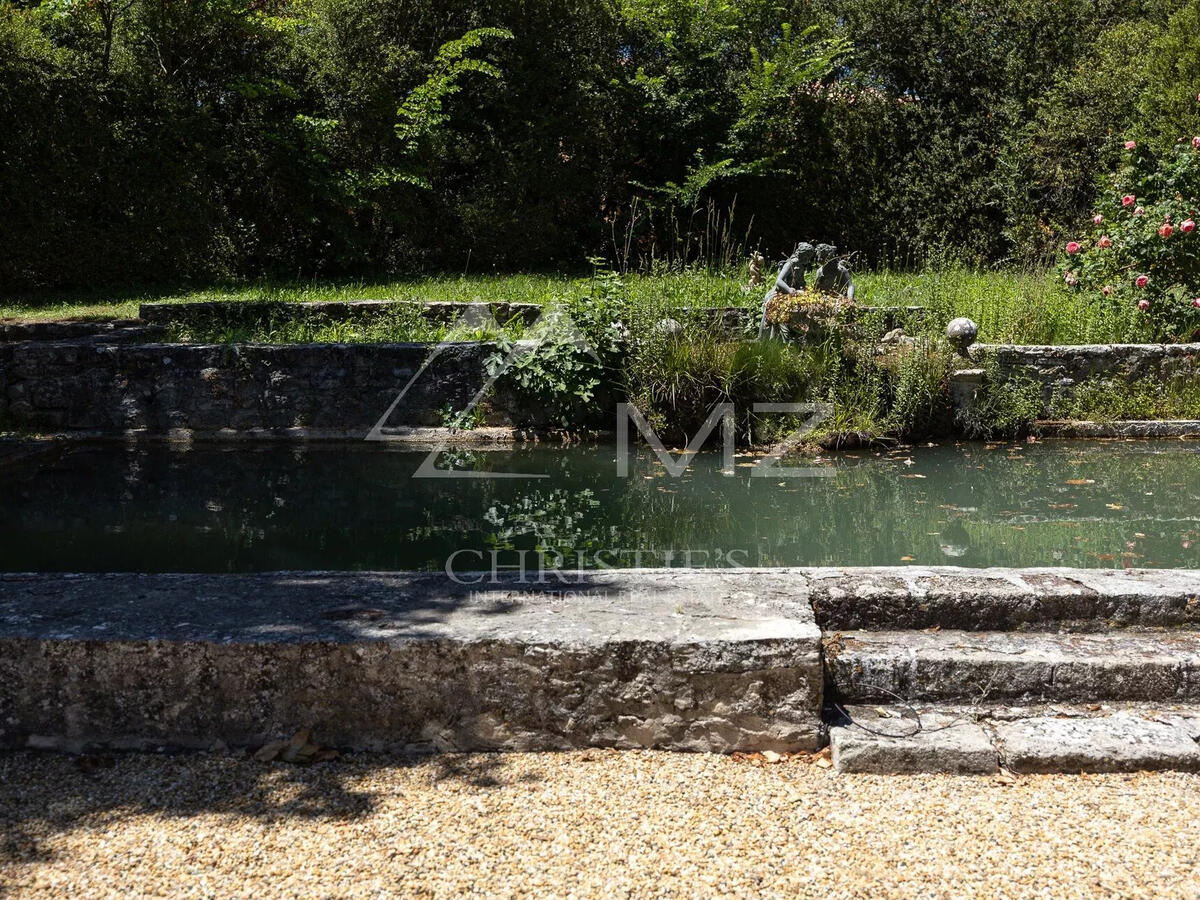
(757, 261)
(790, 279)
(833, 277)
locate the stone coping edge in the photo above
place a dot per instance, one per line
(393, 661)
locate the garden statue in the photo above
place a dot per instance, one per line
(757, 260)
(833, 277)
(790, 279)
(961, 333)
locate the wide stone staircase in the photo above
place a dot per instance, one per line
(1039, 671)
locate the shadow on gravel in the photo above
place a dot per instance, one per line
(43, 795)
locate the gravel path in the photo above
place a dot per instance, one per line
(597, 823)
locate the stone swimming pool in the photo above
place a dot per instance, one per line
(358, 506)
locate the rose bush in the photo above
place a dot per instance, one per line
(1143, 248)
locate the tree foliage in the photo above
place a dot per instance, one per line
(174, 139)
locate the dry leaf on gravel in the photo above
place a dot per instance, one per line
(757, 759)
(298, 749)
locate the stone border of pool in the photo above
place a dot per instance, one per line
(105, 379)
(684, 659)
(404, 661)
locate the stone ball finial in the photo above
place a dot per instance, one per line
(669, 327)
(962, 333)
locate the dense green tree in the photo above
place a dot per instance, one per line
(1170, 102)
(174, 139)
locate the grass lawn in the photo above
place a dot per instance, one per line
(1010, 307)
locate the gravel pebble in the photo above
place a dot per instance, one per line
(593, 823)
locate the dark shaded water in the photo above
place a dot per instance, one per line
(356, 506)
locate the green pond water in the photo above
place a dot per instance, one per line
(357, 506)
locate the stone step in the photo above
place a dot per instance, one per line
(1042, 599)
(403, 661)
(894, 740)
(981, 667)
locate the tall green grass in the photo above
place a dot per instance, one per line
(1010, 306)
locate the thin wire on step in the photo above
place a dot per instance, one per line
(908, 706)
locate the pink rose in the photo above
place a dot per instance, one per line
(1140, 211)
(1143, 305)
(1128, 200)
(1142, 280)
(1104, 243)
(1071, 279)
(1196, 142)
(1187, 226)
(1166, 230)
(1196, 303)
(1097, 219)
(1106, 290)
(1073, 247)
(1129, 145)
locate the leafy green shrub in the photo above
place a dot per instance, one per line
(568, 357)
(1144, 246)
(675, 377)
(1004, 406)
(921, 389)
(1116, 399)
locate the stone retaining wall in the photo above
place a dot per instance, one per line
(402, 661)
(740, 321)
(730, 320)
(208, 388)
(1060, 369)
(98, 377)
(1062, 364)
(114, 331)
(688, 659)
(225, 314)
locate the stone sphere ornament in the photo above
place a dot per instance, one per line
(669, 327)
(962, 333)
